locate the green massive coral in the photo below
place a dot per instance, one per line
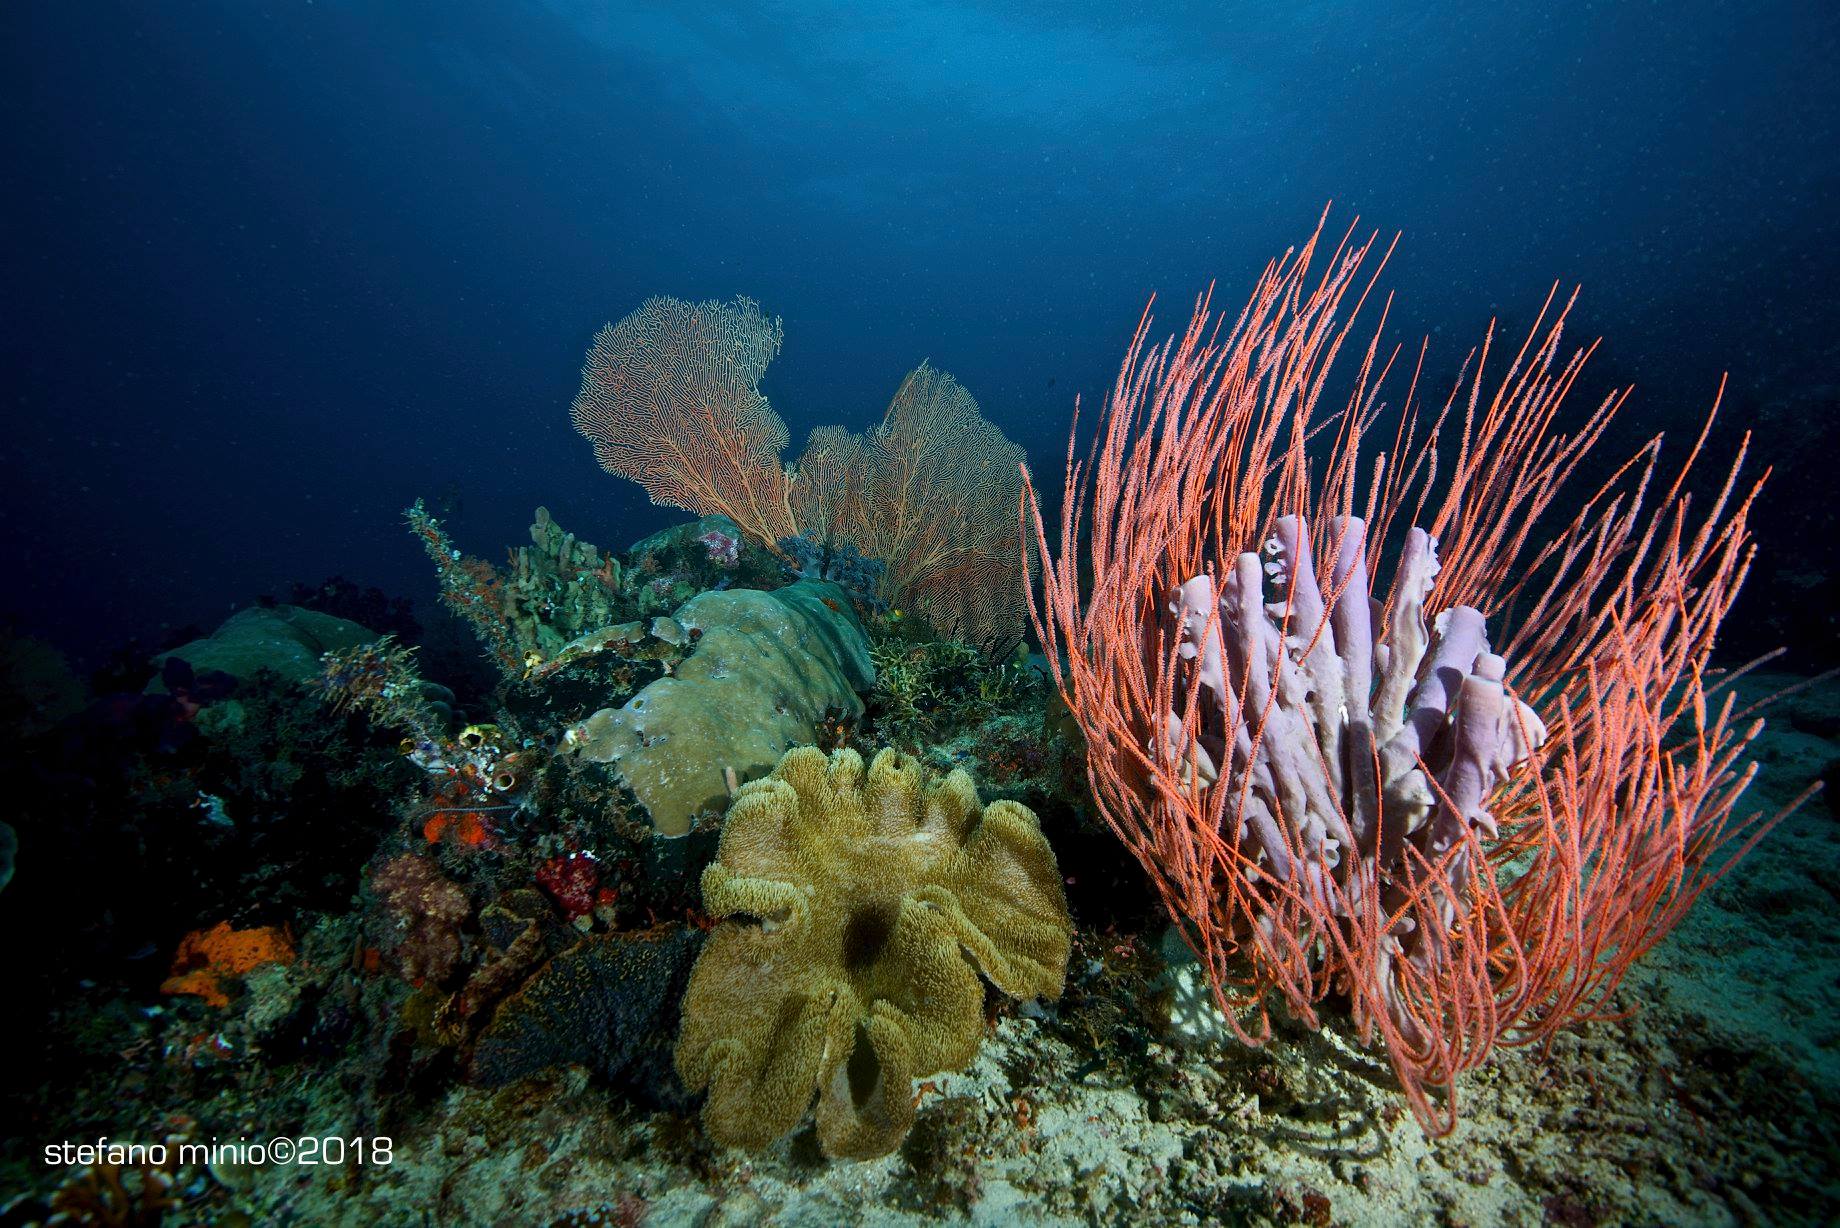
(860, 908)
(765, 672)
(287, 639)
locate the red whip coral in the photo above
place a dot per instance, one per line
(208, 958)
(1466, 799)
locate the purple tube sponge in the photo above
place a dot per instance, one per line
(1360, 752)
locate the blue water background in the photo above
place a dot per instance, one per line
(276, 268)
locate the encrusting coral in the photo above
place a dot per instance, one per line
(875, 899)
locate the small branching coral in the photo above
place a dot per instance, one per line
(929, 690)
(1345, 787)
(381, 680)
(550, 593)
(859, 909)
(130, 1185)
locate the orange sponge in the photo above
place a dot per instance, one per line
(207, 958)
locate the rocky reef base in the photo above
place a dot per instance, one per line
(486, 1092)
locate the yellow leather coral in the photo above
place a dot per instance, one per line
(872, 902)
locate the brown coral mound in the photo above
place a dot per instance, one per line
(875, 899)
(598, 1004)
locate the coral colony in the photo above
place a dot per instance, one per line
(761, 835)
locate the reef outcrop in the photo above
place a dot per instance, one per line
(286, 639)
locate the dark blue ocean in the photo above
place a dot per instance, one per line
(276, 269)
